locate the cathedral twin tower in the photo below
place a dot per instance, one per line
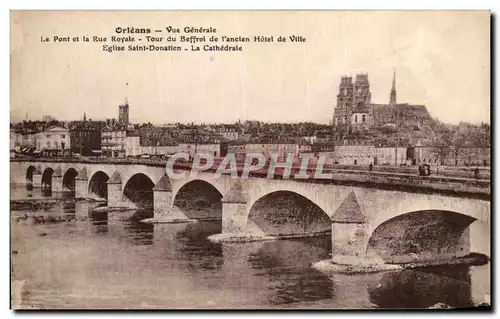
(350, 94)
(354, 107)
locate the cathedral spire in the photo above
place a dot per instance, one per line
(126, 93)
(84, 116)
(392, 99)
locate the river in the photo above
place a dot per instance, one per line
(108, 264)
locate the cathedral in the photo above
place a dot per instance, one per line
(355, 111)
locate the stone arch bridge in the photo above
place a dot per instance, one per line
(393, 220)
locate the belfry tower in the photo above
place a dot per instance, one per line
(345, 99)
(392, 98)
(362, 90)
(123, 111)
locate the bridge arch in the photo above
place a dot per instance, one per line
(320, 195)
(199, 199)
(286, 212)
(69, 178)
(221, 184)
(98, 185)
(421, 235)
(47, 178)
(139, 190)
(126, 173)
(391, 208)
(29, 174)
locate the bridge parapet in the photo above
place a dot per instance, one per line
(415, 184)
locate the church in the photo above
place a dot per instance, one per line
(355, 111)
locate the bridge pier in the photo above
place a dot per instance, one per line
(234, 208)
(234, 217)
(164, 210)
(57, 184)
(37, 177)
(236, 227)
(81, 181)
(57, 180)
(114, 190)
(81, 210)
(348, 243)
(81, 190)
(162, 202)
(349, 233)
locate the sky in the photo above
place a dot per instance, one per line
(441, 59)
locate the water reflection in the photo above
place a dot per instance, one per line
(98, 216)
(421, 289)
(195, 246)
(287, 264)
(46, 192)
(98, 220)
(303, 252)
(139, 233)
(142, 213)
(100, 226)
(303, 286)
(18, 193)
(69, 207)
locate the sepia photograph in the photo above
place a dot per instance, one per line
(256, 160)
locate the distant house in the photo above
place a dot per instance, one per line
(53, 139)
(86, 136)
(214, 149)
(228, 132)
(113, 141)
(280, 147)
(390, 156)
(354, 154)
